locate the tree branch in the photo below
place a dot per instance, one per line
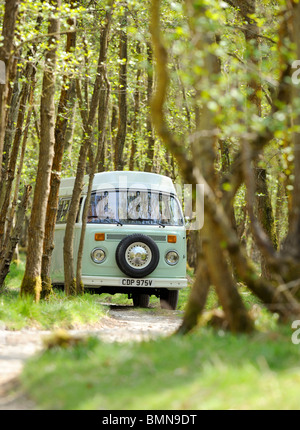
(159, 97)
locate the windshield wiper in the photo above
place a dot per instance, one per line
(111, 221)
(151, 221)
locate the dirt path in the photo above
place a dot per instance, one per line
(122, 324)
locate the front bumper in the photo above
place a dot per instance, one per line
(102, 281)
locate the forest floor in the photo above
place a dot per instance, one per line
(122, 324)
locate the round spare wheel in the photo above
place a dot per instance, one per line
(137, 255)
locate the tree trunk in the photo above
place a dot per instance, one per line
(221, 277)
(12, 161)
(94, 159)
(292, 242)
(88, 119)
(12, 115)
(265, 215)
(14, 236)
(184, 97)
(68, 163)
(135, 113)
(67, 100)
(31, 284)
(203, 150)
(8, 32)
(150, 132)
(197, 299)
(122, 120)
(281, 208)
(12, 209)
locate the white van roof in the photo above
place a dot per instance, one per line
(122, 180)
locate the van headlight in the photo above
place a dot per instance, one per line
(98, 255)
(172, 258)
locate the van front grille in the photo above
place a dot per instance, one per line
(117, 236)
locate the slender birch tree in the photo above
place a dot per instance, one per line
(32, 284)
(88, 119)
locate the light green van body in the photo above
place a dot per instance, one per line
(107, 276)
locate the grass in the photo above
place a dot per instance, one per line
(208, 369)
(205, 370)
(16, 272)
(59, 312)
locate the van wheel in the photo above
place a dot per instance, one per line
(169, 299)
(137, 255)
(59, 287)
(141, 300)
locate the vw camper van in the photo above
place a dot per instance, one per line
(135, 240)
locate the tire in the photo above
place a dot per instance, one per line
(59, 287)
(169, 299)
(141, 300)
(133, 263)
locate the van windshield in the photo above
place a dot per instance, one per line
(134, 207)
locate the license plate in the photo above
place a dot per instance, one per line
(129, 282)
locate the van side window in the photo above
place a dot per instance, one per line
(63, 210)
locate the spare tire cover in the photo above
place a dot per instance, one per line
(137, 255)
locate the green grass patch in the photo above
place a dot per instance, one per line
(59, 312)
(205, 370)
(16, 272)
(62, 311)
